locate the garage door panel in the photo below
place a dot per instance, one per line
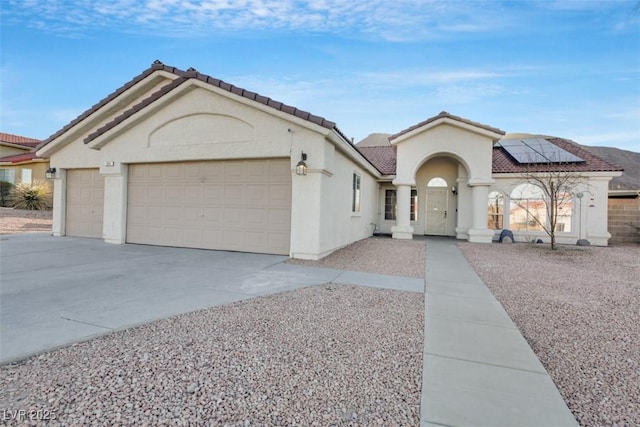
(213, 217)
(234, 217)
(234, 193)
(231, 205)
(256, 218)
(279, 220)
(278, 241)
(279, 195)
(85, 203)
(191, 237)
(232, 172)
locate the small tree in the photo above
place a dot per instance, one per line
(556, 190)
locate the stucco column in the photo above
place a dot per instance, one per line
(114, 225)
(479, 233)
(403, 228)
(59, 203)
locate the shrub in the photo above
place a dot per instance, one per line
(5, 193)
(34, 197)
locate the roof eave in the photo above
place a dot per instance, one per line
(85, 122)
(494, 135)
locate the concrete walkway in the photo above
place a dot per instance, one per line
(478, 369)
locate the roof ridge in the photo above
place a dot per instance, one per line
(446, 115)
(155, 66)
(192, 73)
(11, 138)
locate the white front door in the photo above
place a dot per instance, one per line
(436, 212)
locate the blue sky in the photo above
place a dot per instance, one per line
(563, 68)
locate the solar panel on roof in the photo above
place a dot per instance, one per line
(537, 150)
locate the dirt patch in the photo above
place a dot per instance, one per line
(579, 309)
(381, 255)
(14, 221)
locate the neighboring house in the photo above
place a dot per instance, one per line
(178, 158)
(18, 160)
(624, 194)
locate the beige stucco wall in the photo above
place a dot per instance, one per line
(38, 170)
(10, 151)
(201, 122)
(471, 149)
(456, 145)
(589, 218)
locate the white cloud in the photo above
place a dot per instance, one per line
(398, 20)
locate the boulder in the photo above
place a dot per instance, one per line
(506, 235)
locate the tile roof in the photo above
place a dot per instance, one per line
(445, 115)
(156, 66)
(191, 73)
(504, 163)
(382, 157)
(19, 140)
(19, 158)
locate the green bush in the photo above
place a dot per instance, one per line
(5, 193)
(33, 197)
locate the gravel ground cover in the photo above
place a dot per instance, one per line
(373, 254)
(324, 355)
(579, 309)
(22, 221)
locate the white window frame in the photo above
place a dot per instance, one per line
(26, 176)
(356, 193)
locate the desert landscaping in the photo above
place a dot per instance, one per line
(337, 354)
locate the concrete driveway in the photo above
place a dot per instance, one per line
(58, 290)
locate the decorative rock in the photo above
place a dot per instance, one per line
(506, 234)
(583, 242)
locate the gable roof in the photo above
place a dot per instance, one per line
(17, 140)
(445, 115)
(191, 73)
(384, 157)
(156, 66)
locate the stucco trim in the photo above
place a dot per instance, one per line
(494, 135)
(86, 121)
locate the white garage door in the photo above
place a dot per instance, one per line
(242, 205)
(85, 203)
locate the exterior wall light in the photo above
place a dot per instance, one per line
(50, 173)
(454, 190)
(301, 167)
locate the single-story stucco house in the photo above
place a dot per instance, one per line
(179, 158)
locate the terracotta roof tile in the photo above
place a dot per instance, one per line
(443, 115)
(504, 163)
(383, 158)
(157, 65)
(190, 74)
(19, 140)
(18, 158)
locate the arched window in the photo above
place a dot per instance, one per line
(528, 208)
(495, 218)
(437, 182)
